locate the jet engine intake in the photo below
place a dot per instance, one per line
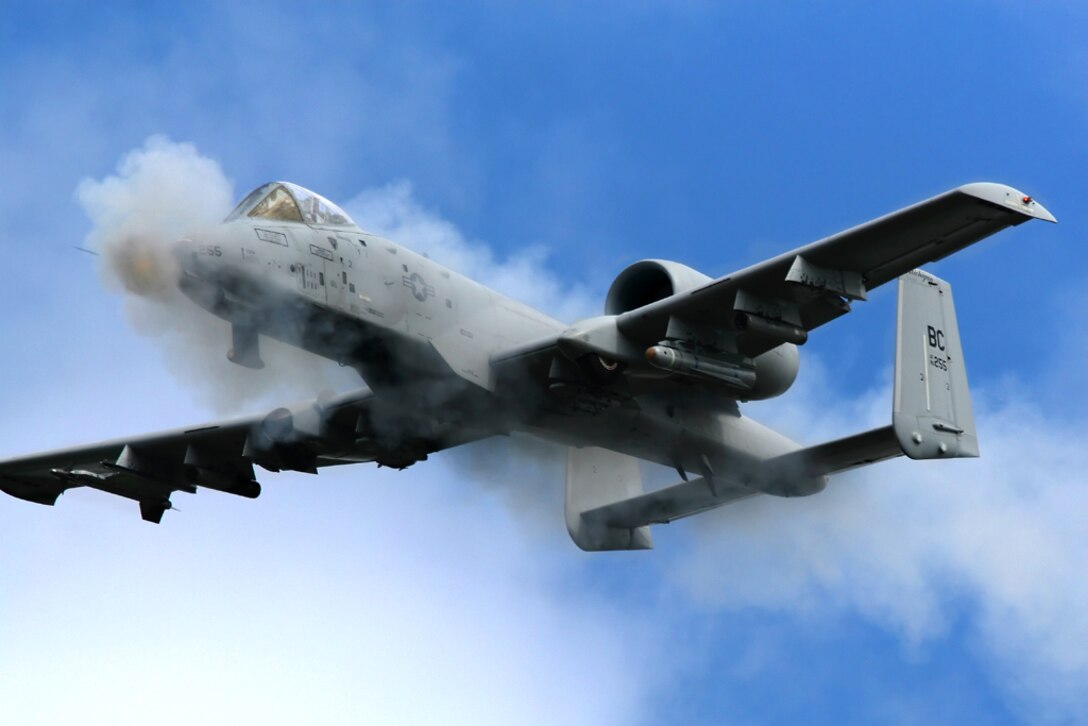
(648, 281)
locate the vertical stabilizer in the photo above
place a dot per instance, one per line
(595, 478)
(931, 413)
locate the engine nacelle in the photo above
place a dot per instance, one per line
(648, 281)
(776, 370)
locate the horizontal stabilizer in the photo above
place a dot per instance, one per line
(668, 504)
(839, 455)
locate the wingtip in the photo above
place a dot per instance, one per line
(1006, 196)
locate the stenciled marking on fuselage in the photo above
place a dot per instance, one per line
(267, 235)
(321, 252)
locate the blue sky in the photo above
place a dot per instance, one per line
(543, 147)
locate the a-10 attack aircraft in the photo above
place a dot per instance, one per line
(447, 361)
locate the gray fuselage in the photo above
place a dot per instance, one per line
(423, 337)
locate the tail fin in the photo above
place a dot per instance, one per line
(931, 419)
(931, 412)
(596, 478)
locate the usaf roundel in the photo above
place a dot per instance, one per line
(419, 287)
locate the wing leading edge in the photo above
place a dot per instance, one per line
(754, 310)
(811, 285)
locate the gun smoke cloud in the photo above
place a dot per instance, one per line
(162, 191)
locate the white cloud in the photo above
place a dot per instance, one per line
(374, 597)
(394, 212)
(906, 544)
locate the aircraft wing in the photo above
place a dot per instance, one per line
(809, 286)
(327, 431)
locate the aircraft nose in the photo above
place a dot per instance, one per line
(183, 250)
(196, 271)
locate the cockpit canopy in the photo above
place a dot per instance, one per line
(287, 202)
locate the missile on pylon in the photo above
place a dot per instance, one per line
(672, 359)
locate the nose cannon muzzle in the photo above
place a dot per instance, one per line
(195, 272)
(184, 252)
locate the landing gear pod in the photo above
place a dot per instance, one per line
(245, 347)
(595, 478)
